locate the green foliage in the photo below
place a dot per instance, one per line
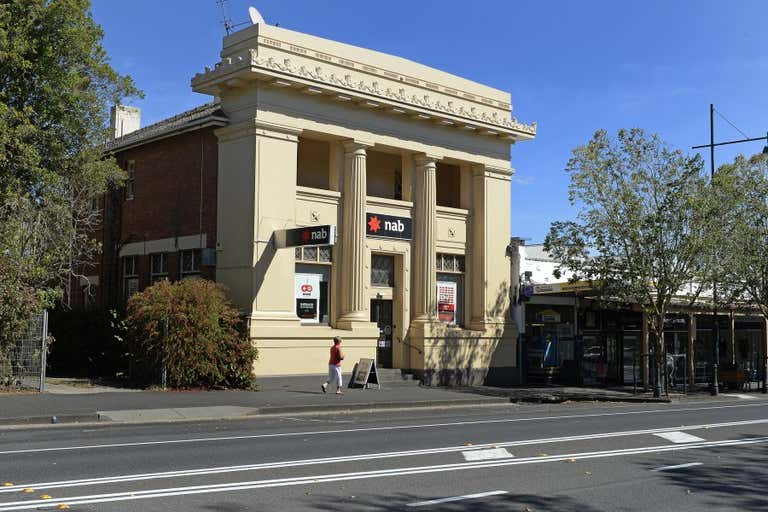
(190, 329)
(56, 85)
(744, 234)
(89, 343)
(643, 228)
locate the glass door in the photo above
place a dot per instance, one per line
(381, 313)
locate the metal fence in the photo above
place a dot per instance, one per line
(24, 365)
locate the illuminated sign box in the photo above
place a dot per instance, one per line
(312, 235)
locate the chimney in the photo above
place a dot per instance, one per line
(124, 120)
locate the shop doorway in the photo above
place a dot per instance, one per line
(381, 313)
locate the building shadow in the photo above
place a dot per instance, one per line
(469, 357)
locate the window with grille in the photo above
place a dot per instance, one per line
(190, 264)
(159, 267)
(450, 263)
(450, 278)
(317, 254)
(382, 270)
(130, 276)
(129, 183)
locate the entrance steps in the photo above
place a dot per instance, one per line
(396, 378)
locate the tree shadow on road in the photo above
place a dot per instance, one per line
(735, 478)
(400, 501)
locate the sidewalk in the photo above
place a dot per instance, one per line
(278, 395)
(72, 402)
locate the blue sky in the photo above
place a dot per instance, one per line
(574, 67)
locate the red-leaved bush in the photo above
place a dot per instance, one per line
(190, 329)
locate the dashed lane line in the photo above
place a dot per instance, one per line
(324, 478)
(456, 498)
(679, 437)
(374, 429)
(358, 457)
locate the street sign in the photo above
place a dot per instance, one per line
(312, 235)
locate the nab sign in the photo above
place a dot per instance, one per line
(388, 226)
(313, 235)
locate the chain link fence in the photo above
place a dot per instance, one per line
(23, 367)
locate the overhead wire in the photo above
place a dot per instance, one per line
(730, 123)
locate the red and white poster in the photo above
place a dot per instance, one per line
(308, 298)
(446, 302)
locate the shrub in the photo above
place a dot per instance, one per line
(89, 343)
(191, 330)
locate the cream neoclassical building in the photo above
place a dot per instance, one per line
(408, 166)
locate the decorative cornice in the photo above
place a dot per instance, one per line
(423, 100)
(333, 72)
(258, 127)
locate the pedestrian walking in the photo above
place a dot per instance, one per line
(334, 366)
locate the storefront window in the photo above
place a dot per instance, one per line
(312, 284)
(450, 288)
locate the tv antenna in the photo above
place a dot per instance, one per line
(253, 13)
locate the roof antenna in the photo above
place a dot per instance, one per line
(229, 26)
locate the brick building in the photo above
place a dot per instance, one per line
(162, 224)
(406, 167)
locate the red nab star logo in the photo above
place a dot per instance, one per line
(305, 236)
(374, 224)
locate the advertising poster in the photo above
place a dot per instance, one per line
(307, 294)
(446, 302)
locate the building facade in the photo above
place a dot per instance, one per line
(401, 171)
(569, 337)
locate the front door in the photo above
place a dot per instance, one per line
(381, 313)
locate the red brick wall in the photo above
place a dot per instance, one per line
(167, 182)
(166, 204)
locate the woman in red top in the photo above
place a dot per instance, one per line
(334, 366)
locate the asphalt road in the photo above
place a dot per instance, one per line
(581, 457)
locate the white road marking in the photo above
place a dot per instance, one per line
(456, 498)
(487, 454)
(371, 429)
(360, 457)
(324, 478)
(679, 437)
(678, 466)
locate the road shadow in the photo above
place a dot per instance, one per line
(400, 501)
(732, 478)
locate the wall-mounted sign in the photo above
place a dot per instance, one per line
(307, 295)
(312, 235)
(388, 226)
(549, 316)
(446, 302)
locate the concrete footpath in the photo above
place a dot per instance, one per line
(79, 402)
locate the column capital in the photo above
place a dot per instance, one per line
(491, 170)
(424, 159)
(352, 146)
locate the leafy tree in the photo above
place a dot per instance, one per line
(744, 239)
(642, 229)
(190, 329)
(56, 84)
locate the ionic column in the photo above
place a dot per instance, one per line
(353, 236)
(478, 270)
(424, 246)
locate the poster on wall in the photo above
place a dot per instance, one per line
(446, 302)
(307, 293)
